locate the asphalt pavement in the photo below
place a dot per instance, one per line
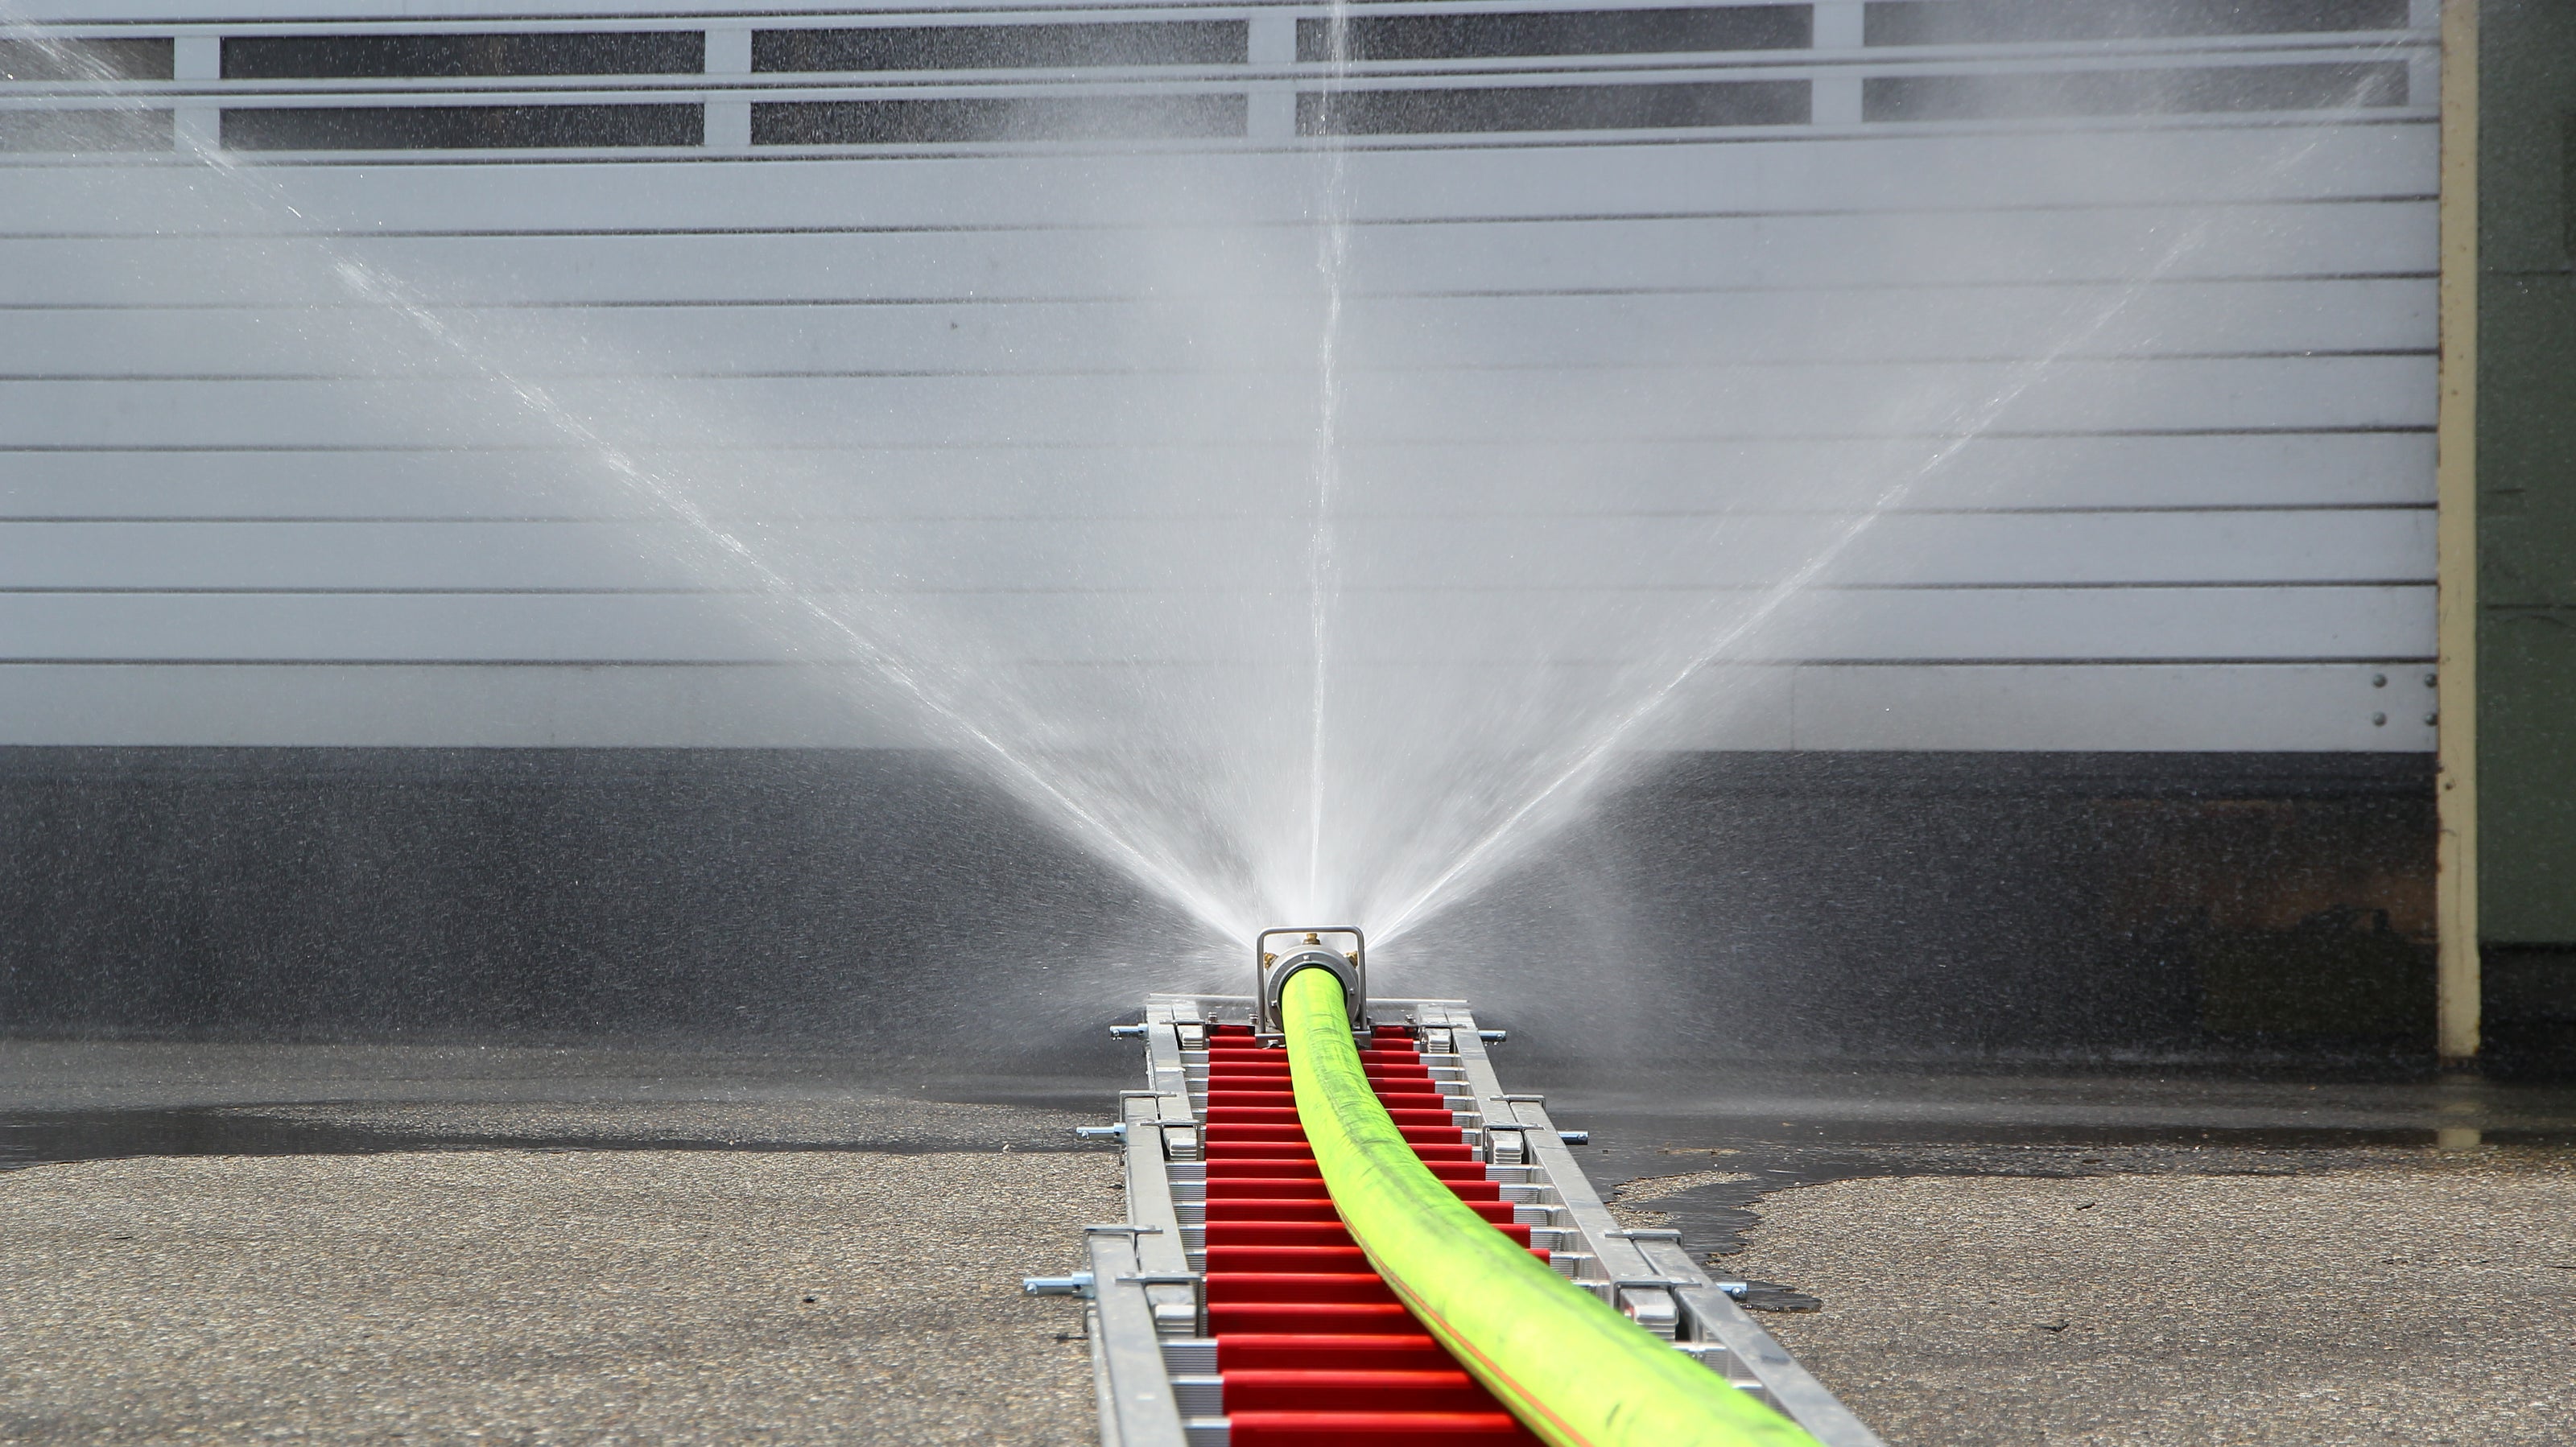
(701, 1296)
(460, 1244)
(2421, 1301)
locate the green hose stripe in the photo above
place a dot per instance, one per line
(1573, 1368)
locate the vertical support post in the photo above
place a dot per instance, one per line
(2456, 491)
(1271, 44)
(198, 123)
(728, 115)
(1837, 92)
(2423, 70)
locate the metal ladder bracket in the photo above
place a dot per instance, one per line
(1148, 1309)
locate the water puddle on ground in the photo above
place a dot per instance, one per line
(35, 1138)
(1706, 1178)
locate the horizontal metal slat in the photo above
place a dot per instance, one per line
(1681, 478)
(2216, 624)
(2147, 707)
(1006, 556)
(2186, 318)
(1879, 173)
(2200, 396)
(2358, 238)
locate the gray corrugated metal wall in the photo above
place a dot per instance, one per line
(2205, 524)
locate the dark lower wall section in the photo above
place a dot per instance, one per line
(2531, 1007)
(868, 899)
(2236, 906)
(2018, 906)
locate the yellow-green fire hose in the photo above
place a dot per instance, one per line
(1564, 1361)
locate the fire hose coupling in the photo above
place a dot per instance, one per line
(1271, 970)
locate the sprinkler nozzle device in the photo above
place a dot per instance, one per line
(1271, 969)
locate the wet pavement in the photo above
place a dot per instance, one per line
(458, 1244)
(1716, 1147)
(2142, 1259)
(545, 1296)
(2408, 1301)
(234, 1243)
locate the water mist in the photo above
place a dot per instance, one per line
(1334, 594)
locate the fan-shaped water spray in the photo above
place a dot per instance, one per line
(1345, 652)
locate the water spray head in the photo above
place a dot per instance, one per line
(1271, 969)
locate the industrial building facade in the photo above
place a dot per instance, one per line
(911, 240)
(2147, 291)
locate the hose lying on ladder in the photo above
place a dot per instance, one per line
(1566, 1363)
